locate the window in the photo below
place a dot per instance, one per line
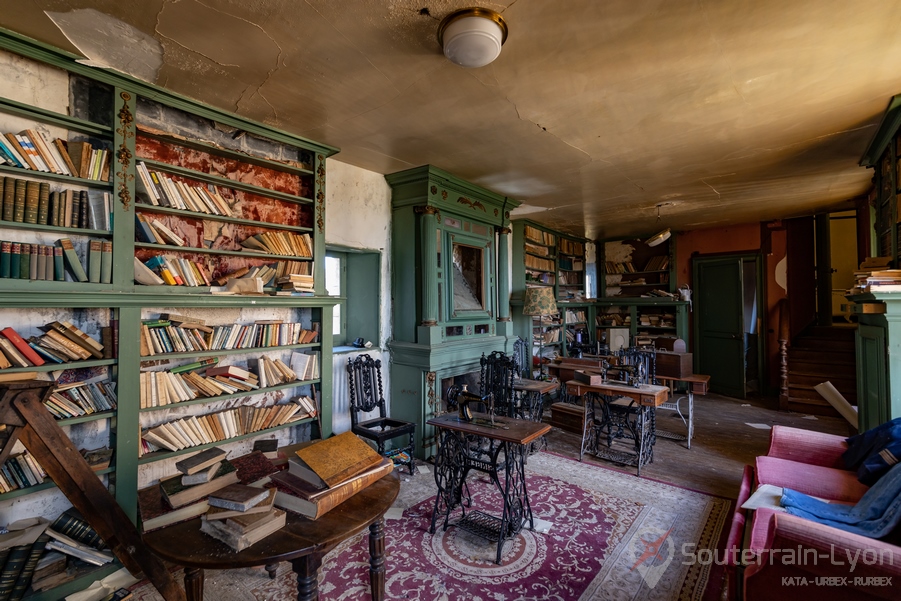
(335, 281)
(355, 276)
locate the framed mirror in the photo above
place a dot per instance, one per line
(467, 277)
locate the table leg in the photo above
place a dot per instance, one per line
(691, 415)
(307, 570)
(450, 474)
(194, 584)
(516, 499)
(271, 569)
(377, 559)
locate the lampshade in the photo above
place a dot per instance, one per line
(658, 238)
(540, 301)
(472, 37)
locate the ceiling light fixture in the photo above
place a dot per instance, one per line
(472, 37)
(659, 238)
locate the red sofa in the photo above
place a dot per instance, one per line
(785, 556)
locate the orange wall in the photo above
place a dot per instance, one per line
(739, 239)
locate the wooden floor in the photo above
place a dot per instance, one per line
(723, 442)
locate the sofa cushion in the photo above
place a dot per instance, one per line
(818, 481)
(806, 446)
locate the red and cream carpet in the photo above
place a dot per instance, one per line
(609, 535)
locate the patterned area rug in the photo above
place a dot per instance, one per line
(609, 535)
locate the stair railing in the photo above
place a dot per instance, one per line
(784, 337)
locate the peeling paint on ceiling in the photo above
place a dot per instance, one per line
(594, 113)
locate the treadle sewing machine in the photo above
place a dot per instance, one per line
(462, 449)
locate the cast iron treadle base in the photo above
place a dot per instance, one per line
(670, 435)
(481, 524)
(616, 456)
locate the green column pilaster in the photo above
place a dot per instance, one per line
(319, 227)
(128, 423)
(428, 225)
(123, 194)
(504, 322)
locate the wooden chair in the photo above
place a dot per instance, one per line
(364, 376)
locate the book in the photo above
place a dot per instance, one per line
(177, 494)
(64, 154)
(72, 260)
(155, 513)
(122, 594)
(75, 335)
(12, 354)
(94, 253)
(31, 561)
(22, 346)
(264, 506)
(329, 462)
(253, 468)
(204, 475)
(200, 461)
(72, 524)
(22, 376)
(267, 446)
(268, 523)
(315, 505)
(144, 275)
(238, 497)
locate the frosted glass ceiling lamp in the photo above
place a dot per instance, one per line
(472, 37)
(659, 238)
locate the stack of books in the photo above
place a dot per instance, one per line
(81, 398)
(305, 365)
(20, 471)
(241, 515)
(183, 496)
(159, 336)
(323, 474)
(876, 267)
(295, 283)
(29, 149)
(63, 342)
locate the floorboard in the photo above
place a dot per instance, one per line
(723, 442)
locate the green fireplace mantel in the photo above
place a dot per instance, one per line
(450, 287)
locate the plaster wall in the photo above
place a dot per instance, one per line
(358, 216)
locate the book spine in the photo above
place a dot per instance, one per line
(5, 248)
(9, 198)
(94, 253)
(18, 555)
(35, 264)
(31, 562)
(83, 210)
(19, 201)
(25, 261)
(43, 216)
(59, 270)
(22, 346)
(32, 195)
(78, 529)
(15, 250)
(72, 259)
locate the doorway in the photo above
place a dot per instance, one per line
(843, 262)
(728, 292)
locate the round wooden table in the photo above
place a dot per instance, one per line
(303, 542)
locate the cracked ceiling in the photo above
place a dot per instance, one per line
(594, 114)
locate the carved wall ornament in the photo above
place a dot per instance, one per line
(473, 204)
(123, 154)
(434, 189)
(320, 194)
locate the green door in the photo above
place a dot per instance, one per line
(719, 340)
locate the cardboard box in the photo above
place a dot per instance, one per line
(674, 365)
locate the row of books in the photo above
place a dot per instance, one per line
(81, 398)
(536, 235)
(534, 249)
(570, 278)
(161, 336)
(24, 261)
(575, 316)
(570, 247)
(27, 201)
(657, 263)
(613, 319)
(153, 231)
(295, 283)
(541, 277)
(160, 189)
(29, 149)
(213, 427)
(20, 471)
(571, 264)
(280, 243)
(171, 271)
(160, 388)
(62, 342)
(540, 264)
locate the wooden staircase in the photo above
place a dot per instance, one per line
(820, 354)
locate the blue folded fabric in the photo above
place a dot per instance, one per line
(872, 453)
(876, 514)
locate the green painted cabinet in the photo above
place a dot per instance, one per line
(450, 279)
(621, 322)
(878, 346)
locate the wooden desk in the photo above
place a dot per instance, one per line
(645, 399)
(455, 459)
(303, 542)
(697, 384)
